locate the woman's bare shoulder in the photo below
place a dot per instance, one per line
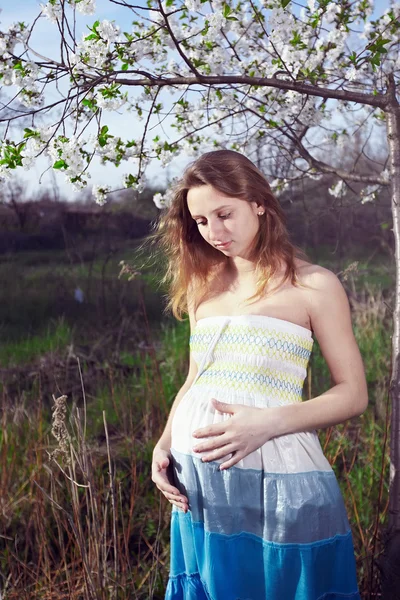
(307, 272)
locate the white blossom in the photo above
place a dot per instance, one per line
(107, 103)
(193, 4)
(368, 198)
(5, 173)
(108, 31)
(100, 193)
(163, 200)
(86, 7)
(368, 28)
(351, 73)
(338, 190)
(312, 5)
(51, 11)
(332, 10)
(158, 200)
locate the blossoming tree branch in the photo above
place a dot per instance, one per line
(201, 73)
(237, 72)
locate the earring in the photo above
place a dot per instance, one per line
(260, 213)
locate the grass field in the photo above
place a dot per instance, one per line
(80, 516)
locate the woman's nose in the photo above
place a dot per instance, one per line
(215, 229)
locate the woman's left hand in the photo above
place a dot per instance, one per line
(247, 430)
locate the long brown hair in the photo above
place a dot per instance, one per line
(191, 261)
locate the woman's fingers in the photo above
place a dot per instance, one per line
(161, 480)
(212, 444)
(175, 495)
(219, 453)
(231, 462)
(177, 500)
(164, 486)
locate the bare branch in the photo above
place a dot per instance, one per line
(325, 168)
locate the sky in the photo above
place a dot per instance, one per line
(46, 41)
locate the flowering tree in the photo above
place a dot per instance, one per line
(204, 73)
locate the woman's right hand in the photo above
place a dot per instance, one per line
(161, 460)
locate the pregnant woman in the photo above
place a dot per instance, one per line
(257, 513)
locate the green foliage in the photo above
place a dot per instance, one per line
(54, 340)
(12, 155)
(104, 136)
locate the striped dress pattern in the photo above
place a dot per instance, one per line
(274, 525)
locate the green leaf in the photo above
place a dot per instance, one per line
(87, 102)
(284, 3)
(226, 10)
(125, 67)
(60, 164)
(92, 36)
(30, 133)
(198, 62)
(353, 58)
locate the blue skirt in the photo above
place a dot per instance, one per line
(237, 544)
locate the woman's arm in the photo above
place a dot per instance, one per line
(330, 318)
(165, 440)
(161, 451)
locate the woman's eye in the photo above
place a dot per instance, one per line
(220, 216)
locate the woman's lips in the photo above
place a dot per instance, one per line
(224, 246)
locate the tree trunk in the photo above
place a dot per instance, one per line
(393, 126)
(390, 561)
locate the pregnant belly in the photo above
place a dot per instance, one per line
(293, 453)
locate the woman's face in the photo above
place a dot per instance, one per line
(223, 219)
